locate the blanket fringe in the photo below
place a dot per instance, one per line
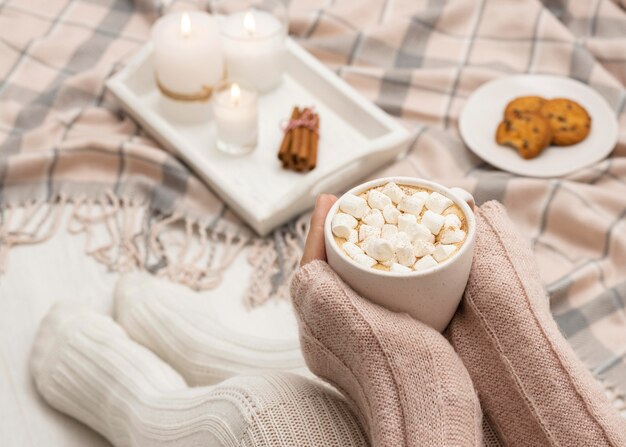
(34, 223)
(274, 260)
(124, 234)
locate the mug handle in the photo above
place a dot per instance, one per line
(465, 196)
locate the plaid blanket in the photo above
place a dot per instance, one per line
(65, 146)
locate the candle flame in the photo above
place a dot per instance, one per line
(185, 25)
(249, 23)
(235, 93)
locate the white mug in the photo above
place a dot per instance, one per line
(430, 296)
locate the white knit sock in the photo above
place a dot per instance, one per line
(179, 326)
(86, 366)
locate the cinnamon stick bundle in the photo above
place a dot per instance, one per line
(298, 150)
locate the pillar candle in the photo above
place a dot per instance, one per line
(187, 54)
(254, 48)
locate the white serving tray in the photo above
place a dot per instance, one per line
(356, 137)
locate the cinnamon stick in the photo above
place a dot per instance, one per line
(289, 162)
(302, 151)
(315, 136)
(285, 146)
(295, 143)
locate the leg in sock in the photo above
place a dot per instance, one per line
(178, 326)
(408, 384)
(86, 366)
(533, 388)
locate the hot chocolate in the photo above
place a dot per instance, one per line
(399, 228)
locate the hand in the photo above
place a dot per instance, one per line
(314, 248)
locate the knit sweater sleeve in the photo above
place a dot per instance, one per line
(403, 378)
(533, 388)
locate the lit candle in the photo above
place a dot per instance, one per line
(187, 54)
(254, 48)
(235, 110)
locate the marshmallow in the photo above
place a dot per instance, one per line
(354, 205)
(415, 231)
(437, 202)
(404, 253)
(374, 218)
(342, 224)
(422, 233)
(352, 249)
(452, 236)
(366, 231)
(422, 248)
(411, 205)
(412, 230)
(408, 226)
(406, 220)
(452, 221)
(421, 195)
(354, 236)
(377, 199)
(400, 238)
(425, 263)
(398, 268)
(432, 221)
(379, 249)
(393, 191)
(365, 260)
(443, 252)
(388, 231)
(391, 214)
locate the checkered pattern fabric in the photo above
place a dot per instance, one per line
(62, 137)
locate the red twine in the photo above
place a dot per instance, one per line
(307, 119)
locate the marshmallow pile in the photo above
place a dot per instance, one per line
(400, 231)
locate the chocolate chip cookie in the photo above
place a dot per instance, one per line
(523, 105)
(569, 121)
(529, 134)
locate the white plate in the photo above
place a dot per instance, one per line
(356, 137)
(483, 112)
